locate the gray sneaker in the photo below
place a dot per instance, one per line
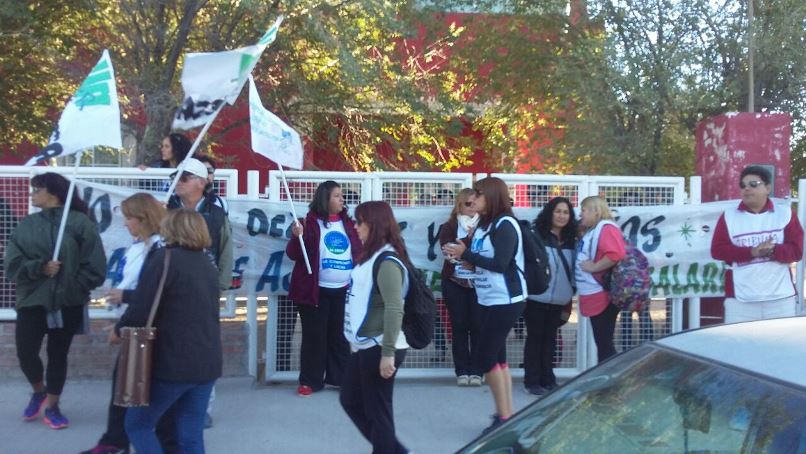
(474, 380)
(462, 380)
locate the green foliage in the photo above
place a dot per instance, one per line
(619, 93)
(38, 40)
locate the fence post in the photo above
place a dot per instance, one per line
(694, 198)
(799, 274)
(252, 191)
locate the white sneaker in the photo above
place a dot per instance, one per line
(474, 380)
(463, 380)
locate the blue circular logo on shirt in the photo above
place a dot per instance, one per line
(336, 242)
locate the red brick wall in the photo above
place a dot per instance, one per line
(92, 357)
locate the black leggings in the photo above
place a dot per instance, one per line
(542, 321)
(465, 314)
(604, 326)
(31, 328)
(367, 399)
(496, 323)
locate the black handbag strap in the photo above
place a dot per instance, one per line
(565, 265)
(158, 296)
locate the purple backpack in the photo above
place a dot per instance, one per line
(629, 281)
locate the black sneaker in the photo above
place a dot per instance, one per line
(536, 390)
(497, 421)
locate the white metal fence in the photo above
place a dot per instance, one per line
(576, 350)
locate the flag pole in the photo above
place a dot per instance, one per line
(193, 148)
(294, 213)
(67, 203)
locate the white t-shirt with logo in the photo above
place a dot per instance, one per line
(335, 255)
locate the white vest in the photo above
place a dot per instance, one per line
(761, 279)
(358, 299)
(491, 287)
(586, 250)
(335, 255)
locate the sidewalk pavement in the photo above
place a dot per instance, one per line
(432, 416)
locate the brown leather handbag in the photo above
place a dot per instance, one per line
(133, 381)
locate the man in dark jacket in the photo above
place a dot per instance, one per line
(190, 194)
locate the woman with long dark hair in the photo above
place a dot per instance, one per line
(373, 327)
(333, 247)
(557, 227)
(173, 150)
(458, 292)
(52, 294)
(496, 253)
(598, 251)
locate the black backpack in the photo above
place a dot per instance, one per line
(536, 270)
(419, 306)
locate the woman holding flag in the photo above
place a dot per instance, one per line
(52, 294)
(333, 245)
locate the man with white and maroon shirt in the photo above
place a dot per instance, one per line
(758, 240)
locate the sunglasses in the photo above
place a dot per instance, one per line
(185, 176)
(753, 184)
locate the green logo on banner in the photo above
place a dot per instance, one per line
(95, 89)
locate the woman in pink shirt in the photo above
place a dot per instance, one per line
(598, 251)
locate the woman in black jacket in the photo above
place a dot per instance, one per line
(556, 225)
(458, 292)
(187, 353)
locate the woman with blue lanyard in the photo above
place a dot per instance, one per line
(496, 254)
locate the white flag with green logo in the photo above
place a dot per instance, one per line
(91, 117)
(212, 78)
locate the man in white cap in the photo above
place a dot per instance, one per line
(190, 194)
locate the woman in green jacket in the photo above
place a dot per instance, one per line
(51, 294)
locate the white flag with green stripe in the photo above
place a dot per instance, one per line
(91, 117)
(212, 78)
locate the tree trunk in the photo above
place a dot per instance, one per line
(160, 107)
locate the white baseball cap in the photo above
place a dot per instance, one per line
(195, 167)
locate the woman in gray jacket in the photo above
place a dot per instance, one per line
(556, 225)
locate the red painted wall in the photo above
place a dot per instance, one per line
(728, 143)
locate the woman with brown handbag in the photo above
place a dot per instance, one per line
(187, 349)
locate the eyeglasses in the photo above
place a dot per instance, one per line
(184, 177)
(468, 204)
(210, 171)
(753, 184)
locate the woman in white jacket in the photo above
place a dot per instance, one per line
(142, 216)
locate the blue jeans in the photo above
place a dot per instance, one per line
(191, 404)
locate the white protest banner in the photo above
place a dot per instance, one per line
(271, 137)
(91, 117)
(675, 239)
(210, 79)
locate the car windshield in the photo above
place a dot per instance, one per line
(656, 400)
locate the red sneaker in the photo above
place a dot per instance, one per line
(304, 391)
